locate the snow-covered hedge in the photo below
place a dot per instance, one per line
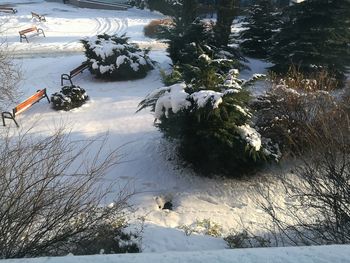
(213, 128)
(68, 98)
(112, 57)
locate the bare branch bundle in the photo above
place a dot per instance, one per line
(9, 76)
(51, 196)
(319, 188)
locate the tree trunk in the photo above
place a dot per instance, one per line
(226, 11)
(189, 11)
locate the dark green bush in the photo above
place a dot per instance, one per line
(68, 98)
(187, 43)
(314, 36)
(113, 58)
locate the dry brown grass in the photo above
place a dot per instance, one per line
(294, 104)
(153, 28)
(295, 79)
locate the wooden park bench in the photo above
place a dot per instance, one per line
(24, 106)
(74, 72)
(30, 32)
(39, 17)
(6, 9)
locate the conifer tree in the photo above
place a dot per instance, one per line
(315, 36)
(261, 23)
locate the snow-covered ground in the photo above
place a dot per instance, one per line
(148, 164)
(322, 254)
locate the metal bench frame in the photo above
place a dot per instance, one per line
(74, 72)
(23, 106)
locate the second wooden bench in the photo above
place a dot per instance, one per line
(39, 17)
(30, 32)
(74, 72)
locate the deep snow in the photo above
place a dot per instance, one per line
(322, 254)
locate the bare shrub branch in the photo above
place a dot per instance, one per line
(10, 75)
(319, 189)
(52, 196)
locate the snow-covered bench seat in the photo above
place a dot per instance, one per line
(23, 106)
(74, 72)
(39, 17)
(30, 32)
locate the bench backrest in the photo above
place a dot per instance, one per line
(36, 15)
(6, 8)
(79, 69)
(29, 102)
(28, 30)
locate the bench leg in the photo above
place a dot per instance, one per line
(23, 36)
(66, 77)
(8, 115)
(47, 97)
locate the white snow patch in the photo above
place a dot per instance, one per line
(250, 135)
(204, 96)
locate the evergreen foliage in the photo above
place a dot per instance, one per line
(186, 44)
(112, 57)
(261, 24)
(68, 98)
(315, 35)
(212, 126)
(182, 41)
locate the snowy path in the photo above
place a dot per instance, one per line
(66, 25)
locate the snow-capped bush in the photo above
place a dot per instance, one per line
(68, 98)
(213, 127)
(186, 45)
(112, 57)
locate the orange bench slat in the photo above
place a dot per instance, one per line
(29, 102)
(28, 30)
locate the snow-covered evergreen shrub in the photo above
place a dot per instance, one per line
(186, 44)
(112, 57)
(213, 127)
(68, 98)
